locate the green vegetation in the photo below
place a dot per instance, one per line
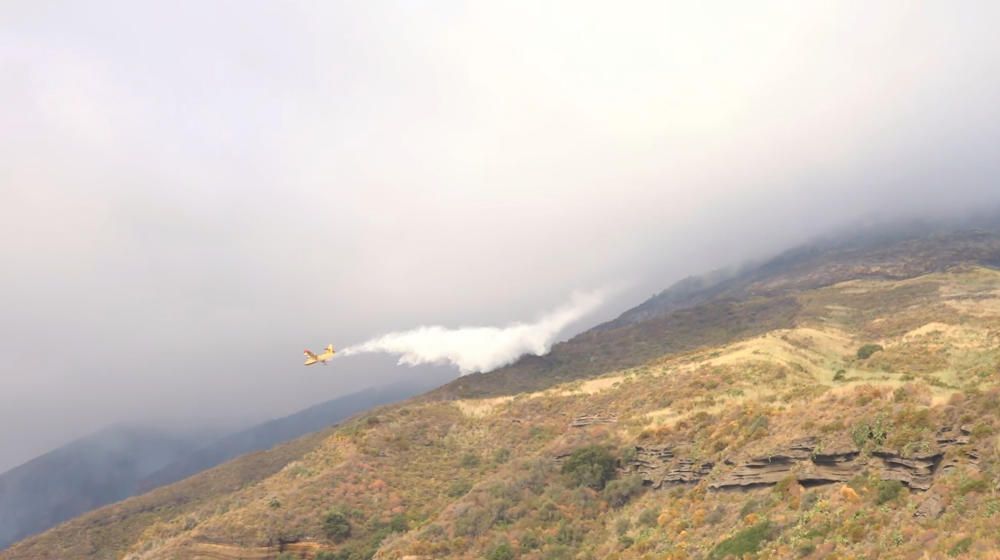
(470, 460)
(867, 350)
(336, 527)
(501, 456)
(502, 551)
(887, 491)
(620, 492)
(592, 466)
(960, 547)
(747, 541)
(873, 432)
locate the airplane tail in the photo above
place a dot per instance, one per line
(329, 348)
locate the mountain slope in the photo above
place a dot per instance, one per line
(273, 432)
(837, 406)
(88, 473)
(117, 463)
(728, 305)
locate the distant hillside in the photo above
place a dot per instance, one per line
(269, 434)
(83, 475)
(117, 463)
(744, 301)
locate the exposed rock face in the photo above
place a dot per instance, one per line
(807, 462)
(659, 466)
(810, 465)
(930, 508)
(592, 419)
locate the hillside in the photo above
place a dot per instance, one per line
(836, 402)
(268, 434)
(117, 463)
(90, 472)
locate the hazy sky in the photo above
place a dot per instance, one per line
(192, 192)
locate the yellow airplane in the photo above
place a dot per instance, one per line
(321, 358)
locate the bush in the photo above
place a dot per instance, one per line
(972, 485)
(619, 492)
(470, 460)
(502, 551)
(622, 525)
(398, 524)
(648, 517)
(876, 432)
(888, 490)
(459, 488)
(747, 541)
(867, 350)
(841, 375)
(336, 527)
(530, 541)
(961, 547)
(591, 466)
(501, 455)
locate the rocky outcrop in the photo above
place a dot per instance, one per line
(930, 508)
(811, 465)
(592, 419)
(659, 466)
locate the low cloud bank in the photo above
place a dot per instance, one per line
(482, 349)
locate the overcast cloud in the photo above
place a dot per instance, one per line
(191, 192)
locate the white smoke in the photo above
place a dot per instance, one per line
(480, 349)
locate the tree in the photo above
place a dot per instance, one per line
(591, 466)
(336, 526)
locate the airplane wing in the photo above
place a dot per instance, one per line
(310, 358)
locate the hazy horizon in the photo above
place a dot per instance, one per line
(193, 193)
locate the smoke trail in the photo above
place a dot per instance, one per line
(479, 348)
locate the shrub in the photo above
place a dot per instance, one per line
(716, 515)
(648, 517)
(747, 541)
(876, 432)
(591, 466)
(336, 527)
(867, 350)
(398, 524)
(459, 488)
(809, 499)
(569, 534)
(470, 460)
(501, 455)
(501, 551)
(530, 541)
(474, 522)
(961, 547)
(840, 375)
(629, 454)
(887, 491)
(749, 507)
(619, 492)
(972, 485)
